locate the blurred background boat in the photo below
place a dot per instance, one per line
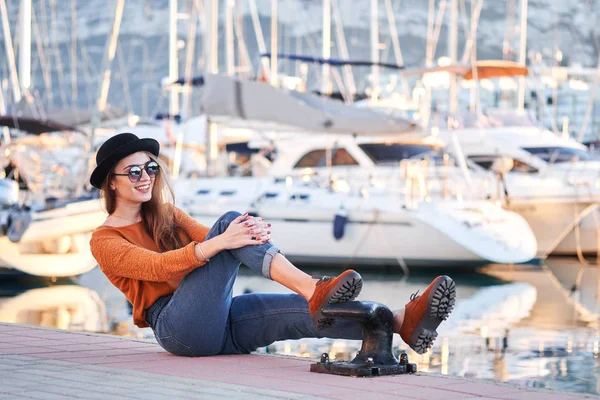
(49, 214)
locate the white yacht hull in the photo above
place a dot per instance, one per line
(588, 240)
(549, 207)
(561, 170)
(379, 230)
(552, 222)
(56, 244)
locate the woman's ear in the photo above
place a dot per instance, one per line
(113, 185)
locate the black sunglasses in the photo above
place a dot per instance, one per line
(135, 172)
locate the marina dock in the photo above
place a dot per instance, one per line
(42, 363)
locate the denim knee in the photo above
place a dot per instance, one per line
(225, 220)
(229, 216)
(258, 257)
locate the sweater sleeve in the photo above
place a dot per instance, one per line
(194, 229)
(116, 256)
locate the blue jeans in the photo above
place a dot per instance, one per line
(202, 318)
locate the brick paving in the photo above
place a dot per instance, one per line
(41, 363)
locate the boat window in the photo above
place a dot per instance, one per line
(317, 158)
(383, 153)
(486, 162)
(520, 166)
(300, 196)
(562, 154)
(311, 159)
(342, 157)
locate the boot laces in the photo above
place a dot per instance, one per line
(322, 279)
(414, 295)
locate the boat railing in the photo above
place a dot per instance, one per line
(411, 181)
(427, 179)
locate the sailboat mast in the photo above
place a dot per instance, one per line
(109, 56)
(522, 53)
(10, 53)
(274, 59)
(260, 39)
(211, 66)
(375, 45)
(173, 58)
(186, 88)
(343, 49)
(396, 43)
(229, 37)
(25, 46)
(326, 79)
(211, 37)
(190, 47)
(173, 76)
(5, 132)
(453, 54)
(245, 68)
(74, 86)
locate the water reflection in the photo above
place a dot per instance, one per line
(535, 326)
(89, 305)
(69, 307)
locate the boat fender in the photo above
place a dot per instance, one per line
(339, 223)
(18, 222)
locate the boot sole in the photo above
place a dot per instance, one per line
(344, 291)
(440, 304)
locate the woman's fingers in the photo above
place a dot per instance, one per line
(258, 221)
(240, 218)
(252, 230)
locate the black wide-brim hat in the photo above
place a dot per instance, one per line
(115, 149)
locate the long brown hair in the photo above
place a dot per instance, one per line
(158, 213)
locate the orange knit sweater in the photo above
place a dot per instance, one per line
(131, 260)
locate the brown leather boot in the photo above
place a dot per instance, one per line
(329, 290)
(423, 314)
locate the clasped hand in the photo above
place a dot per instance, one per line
(246, 230)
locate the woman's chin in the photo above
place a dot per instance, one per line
(145, 198)
(142, 197)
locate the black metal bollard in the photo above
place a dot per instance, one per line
(375, 357)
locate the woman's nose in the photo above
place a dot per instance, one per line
(146, 173)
